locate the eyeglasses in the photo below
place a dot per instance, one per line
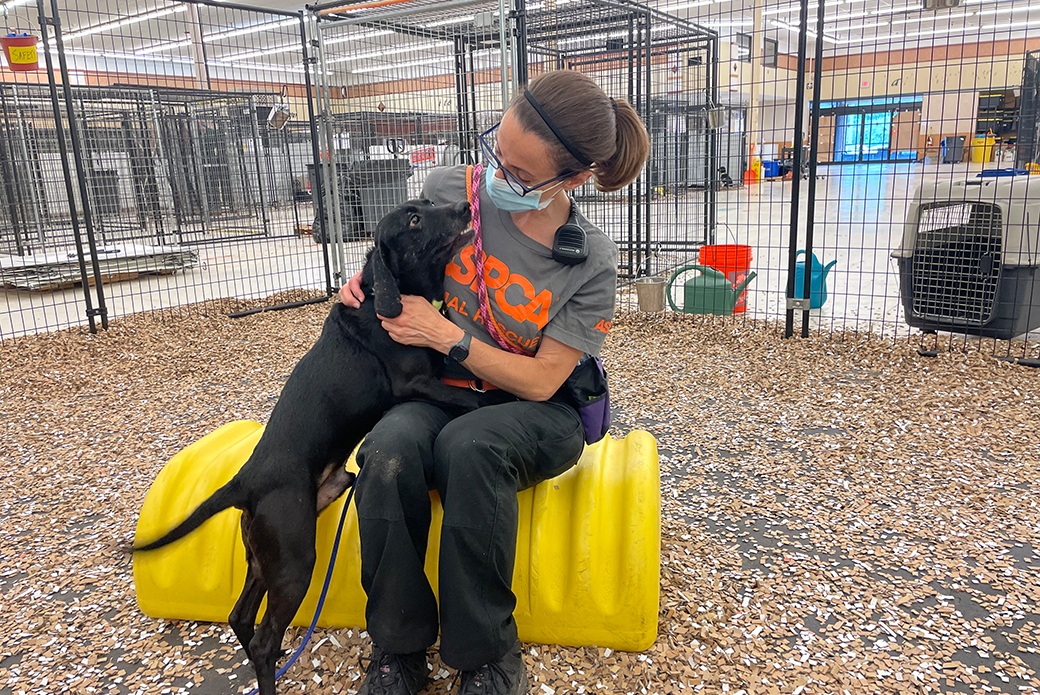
(487, 146)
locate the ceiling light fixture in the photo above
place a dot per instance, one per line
(941, 32)
(1011, 25)
(251, 29)
(858, 27)
(357, 37)
(410, 64)
(921, 20)
(162, 47)
(780, 10)
(685, 6)
(126, 21)
(284, 48)
(867, 39)
(393, 51)
(116, 55)
(895, 10)
(1010, 10)
(808, 32)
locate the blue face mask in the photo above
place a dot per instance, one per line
(505, 198)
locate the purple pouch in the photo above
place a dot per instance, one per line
(587, 388)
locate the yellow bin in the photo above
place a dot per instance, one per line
(588, 550)
(982, 149)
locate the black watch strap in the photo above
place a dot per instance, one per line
(460, 350)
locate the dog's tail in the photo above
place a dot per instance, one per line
(227, 496)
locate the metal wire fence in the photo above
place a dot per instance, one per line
(827, 156)
(156, 164)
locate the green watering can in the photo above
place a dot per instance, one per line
(707, 293)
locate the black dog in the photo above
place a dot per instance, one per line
(334, 396)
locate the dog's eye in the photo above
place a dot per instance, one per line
(413, 221)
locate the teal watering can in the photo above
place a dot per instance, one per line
(707, 293)
(817, 280)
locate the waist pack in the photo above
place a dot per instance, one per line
(587, 390)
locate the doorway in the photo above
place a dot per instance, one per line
(874, 130)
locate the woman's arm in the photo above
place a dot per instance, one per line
(532, 378)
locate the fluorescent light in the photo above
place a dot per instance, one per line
(808, 32)
(393, 51)
(732, 23)
(1010, 10)
(850, 15)
(251, 29)
(940, 32)
(410, 64)
(126, 21)
(1011, 25)
(919, 20)
(685, 6)
(895, 10)
(284, 48)
(357, 37)
(256, 67)
(162, 47)
(858, 27)
(781, 10)
(442, 22)
(13, 4)
(867, 39)
(116, 55)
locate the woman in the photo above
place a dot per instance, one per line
(547, 312)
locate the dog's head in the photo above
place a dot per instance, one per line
(413, 243)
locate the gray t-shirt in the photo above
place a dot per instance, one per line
(530, 295)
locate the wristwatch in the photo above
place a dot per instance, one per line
(460, 350)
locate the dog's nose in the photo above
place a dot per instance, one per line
(461, 210)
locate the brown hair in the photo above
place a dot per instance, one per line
(606, 131)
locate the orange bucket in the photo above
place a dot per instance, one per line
(732, 259)
(20, 52)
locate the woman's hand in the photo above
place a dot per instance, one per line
(422, 325)
(351, 294)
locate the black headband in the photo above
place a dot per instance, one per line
(585, 161)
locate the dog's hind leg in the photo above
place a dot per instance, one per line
(282, 535)
(243, 615)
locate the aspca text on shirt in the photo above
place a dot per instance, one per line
(518, 309)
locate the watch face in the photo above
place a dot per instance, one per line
(458, 353)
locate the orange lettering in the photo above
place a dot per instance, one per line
(467, 271)
(454, 303)
(537, 310)
(603, 326)
(501, 273)
(518, 313)
(462, 310)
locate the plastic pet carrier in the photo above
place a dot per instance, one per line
(969, 255)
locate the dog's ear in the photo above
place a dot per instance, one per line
(384, 285)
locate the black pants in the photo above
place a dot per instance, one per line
(477, 462)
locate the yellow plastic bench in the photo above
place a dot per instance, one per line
(588, 550)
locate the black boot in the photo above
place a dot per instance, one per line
(394, 674)
(507, 676)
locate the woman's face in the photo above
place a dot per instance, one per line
(524, 154)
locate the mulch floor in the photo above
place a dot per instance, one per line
(840, 513)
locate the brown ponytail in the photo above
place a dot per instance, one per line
(606, 131)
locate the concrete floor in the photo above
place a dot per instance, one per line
(860, 212)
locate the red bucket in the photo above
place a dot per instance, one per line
(20, 52)
(732, 259)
